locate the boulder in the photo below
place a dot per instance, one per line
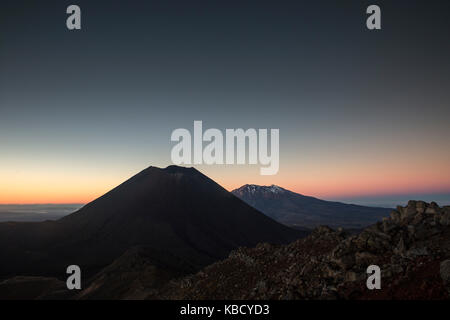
(421, 206)
(365, 259)
(395, 215)
(400, 248)
(412, 204)
(445, 271)
(346, 262)
(388, 225)
(421, 232)
(418, 218)
(444, 219)
(417, 252)
(351, 276)
(409, 211)
(323, 230)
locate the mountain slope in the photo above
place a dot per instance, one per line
(294, 209)
(176, 209)
(412, 249)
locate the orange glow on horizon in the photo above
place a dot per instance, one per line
(63, 187)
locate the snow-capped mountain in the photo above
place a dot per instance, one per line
(253, 189)
(294, 209)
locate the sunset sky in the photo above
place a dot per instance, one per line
(360, 113)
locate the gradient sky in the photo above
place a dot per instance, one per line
(360, 113)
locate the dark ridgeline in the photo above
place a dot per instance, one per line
(182, 218)
(297, 210)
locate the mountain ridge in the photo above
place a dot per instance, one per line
(294, 209)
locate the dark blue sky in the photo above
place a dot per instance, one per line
(350, 104)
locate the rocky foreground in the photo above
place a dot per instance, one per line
(412, 248)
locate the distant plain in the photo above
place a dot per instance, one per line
(35, 212)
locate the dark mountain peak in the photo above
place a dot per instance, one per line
(176, 209)
(156, 192)
(179, 169)
(153, 172)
